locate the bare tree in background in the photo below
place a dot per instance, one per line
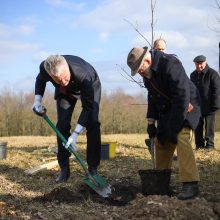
(217, 28)
(125, 74)
(218, 3)
(218, 6)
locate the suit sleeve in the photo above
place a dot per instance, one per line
(87, 98)
(41, 81)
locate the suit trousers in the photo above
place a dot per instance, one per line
(205, 132)
(188, 171)
(65, 108)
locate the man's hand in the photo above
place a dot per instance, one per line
(72, 142)
(37, 107)
(151, 130)
(73, 138)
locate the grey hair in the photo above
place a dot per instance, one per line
(52, 64)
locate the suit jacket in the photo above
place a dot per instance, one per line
(84, 82)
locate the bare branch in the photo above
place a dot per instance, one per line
(136, 29)
(216, 29)
(128, 77)
(153, 22)
(217, 3)
(153, 6)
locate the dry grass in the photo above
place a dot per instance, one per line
(17, 190)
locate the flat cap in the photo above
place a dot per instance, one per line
(200, 58)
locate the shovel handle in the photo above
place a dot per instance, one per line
(153, 154)
(63, 139)
(40, 113)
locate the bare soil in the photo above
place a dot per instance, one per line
(38, 197)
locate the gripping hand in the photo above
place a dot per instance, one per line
(73, 138)
(37, 107)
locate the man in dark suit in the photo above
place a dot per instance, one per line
(207, 81)
(173, 101)
(73, 78)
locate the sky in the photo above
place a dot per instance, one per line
(102, 33)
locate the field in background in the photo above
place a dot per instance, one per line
(18, 191)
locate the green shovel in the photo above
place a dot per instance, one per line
(96, 182)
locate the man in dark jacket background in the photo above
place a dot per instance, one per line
(207, 81)
(173, 101)
(73, 78)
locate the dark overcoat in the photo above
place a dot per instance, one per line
(169, 93)
(208, 84)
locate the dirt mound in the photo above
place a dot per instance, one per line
(60, 195)
(164, 207)
(130, 202)
(122, 194)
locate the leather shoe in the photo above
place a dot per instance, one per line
(64, 175)
(209, 147)
(189, 190)
(199, 148)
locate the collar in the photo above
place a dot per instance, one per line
(204, 71)
(155, 56)
(149, 74)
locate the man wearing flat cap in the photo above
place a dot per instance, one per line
(173, 101)
(199, 59)
(207, 81)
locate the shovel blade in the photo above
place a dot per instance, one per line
(99, 185)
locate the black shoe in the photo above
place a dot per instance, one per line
(64, 175)
(199, 147)
(210, 147)
(93, 170)
(189, 190)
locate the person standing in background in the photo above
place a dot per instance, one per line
(207, 81)
(160, 44)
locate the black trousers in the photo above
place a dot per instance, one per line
(65, 108)
(205, 132)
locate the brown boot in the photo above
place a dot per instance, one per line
(189, 190)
